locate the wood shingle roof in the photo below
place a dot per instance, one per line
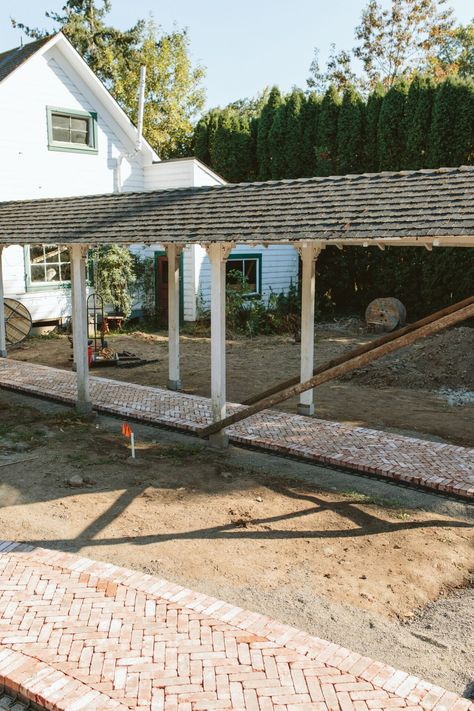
(415, 205)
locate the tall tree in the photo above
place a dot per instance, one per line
(456, 56)
(294, 134)
(392, 127)
(174, 95)
(310, 121)
(418, 121)
(263, 132)
(350, 133)
(452, 127)
(326, 148)
(201, 140)
(276, 143)
(372, 113)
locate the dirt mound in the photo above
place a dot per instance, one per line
(446, 359)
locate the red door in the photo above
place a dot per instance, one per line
(162, 288)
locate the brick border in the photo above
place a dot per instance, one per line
(45, 685)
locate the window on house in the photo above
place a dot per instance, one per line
(244, 271)
(48, 264)
(72, 130)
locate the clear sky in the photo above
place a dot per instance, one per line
(245, 45)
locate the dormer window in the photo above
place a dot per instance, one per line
(72, 130)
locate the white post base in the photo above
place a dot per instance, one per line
(174, 385)
(219, 440)
(305, 409)
(3, 354)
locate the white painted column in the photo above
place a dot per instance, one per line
(3, 335)
(309, 254)
(79, 325)
(217, 256)
(173, 252)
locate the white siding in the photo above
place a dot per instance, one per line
(29, 170)
(280, 266)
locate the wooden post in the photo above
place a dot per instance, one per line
(3, 335)
(309, 252)
(217, 256)
(79, 326)
(173, 252)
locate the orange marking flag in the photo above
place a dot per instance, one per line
(126, 430)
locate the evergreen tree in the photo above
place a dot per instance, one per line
(244, 151)
(418, 121)
(309, 120)
(201, 140)
(350, 133)
(223, 153)
(372, 113)
(294, 134)
(265, 123)
(326, 149)
(276, 143)
(452, 128)
(392, 127)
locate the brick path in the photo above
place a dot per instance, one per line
(433, 465)
(79, 634)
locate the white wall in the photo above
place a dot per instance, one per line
(29, 170)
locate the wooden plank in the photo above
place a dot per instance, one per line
(360, 350)
(351, 363)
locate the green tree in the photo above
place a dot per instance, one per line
(174, 95)
(452, 127)
(310, 121)
(350, 133)
(276, 143)
(456, 56)
(114, 276)
(265, 123)
(326, 148)
(372, 113)
(201, 140)
(392, 127)
(418, 121)
(294, 134)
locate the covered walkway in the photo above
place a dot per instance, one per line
(431, 465)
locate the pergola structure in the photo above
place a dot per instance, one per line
(429, 209)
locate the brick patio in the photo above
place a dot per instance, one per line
(78, 634)
(432, 465)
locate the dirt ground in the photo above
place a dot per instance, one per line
(394, 583)
(425, 389)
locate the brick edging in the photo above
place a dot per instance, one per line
(411, 688)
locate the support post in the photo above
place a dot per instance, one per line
(308, 253)
(78, 254)
(217, 256)
(173, 252)
(3, 335)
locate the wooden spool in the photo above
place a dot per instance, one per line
(17, 321)
(385, 315)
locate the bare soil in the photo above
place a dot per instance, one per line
(399, 393)
(390, 582)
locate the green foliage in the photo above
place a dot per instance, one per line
(452, 128)
(392, 125)
(350, 133)
(174, 95)
(265, 123)
(418, 121)
(277, 141)
(114, 277)
(372, 113)
(326, 148)
(293, 142)
(309, 131)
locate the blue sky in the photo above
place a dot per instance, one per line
(245, 45)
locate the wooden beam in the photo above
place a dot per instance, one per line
(308, 254)
(352, 362)
(79, 326)
(174, 381)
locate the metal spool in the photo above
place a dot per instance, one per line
(385, 314)
(17, 321)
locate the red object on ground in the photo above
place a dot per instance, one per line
(90, 354)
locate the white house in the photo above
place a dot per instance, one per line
(63, 134)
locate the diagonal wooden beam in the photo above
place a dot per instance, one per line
(352, 362)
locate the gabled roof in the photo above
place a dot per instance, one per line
(393, 207)
(13, 59)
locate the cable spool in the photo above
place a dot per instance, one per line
(385, 314)
(18, 321)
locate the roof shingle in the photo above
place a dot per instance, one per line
(13, 58)
(423, 204)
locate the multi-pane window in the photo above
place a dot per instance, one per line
(244, 272)
(49, 264)
(71, 130)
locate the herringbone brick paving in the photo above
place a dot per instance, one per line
(78, 634)
(433, 465)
